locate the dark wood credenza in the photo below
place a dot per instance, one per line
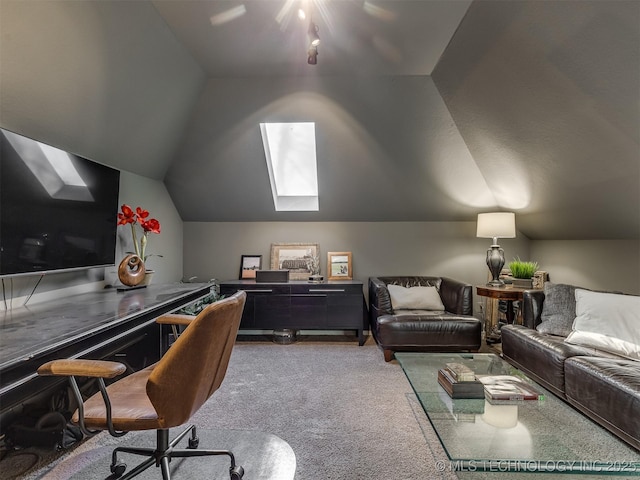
(106, 324)
(300, 305)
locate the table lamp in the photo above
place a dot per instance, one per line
(496, 225)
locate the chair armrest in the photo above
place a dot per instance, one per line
(379, 299)
(532, 301)
(77, 367)
(175, 319)
(82, 368)
(456, 296)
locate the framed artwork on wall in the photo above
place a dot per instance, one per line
(301, 259)
(339, 266)
(248, 266)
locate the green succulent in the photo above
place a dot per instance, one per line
(520, 269)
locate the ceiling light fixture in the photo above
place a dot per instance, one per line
(314, 41)
(312, 55)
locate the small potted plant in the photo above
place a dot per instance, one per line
(523, 272)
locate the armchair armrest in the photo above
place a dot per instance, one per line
(82, 368)
(532, 301)
(379, 299)
(175, 319)
(456, 296)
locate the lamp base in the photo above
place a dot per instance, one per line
(495, 262)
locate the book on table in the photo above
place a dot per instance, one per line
(459, 389)
(508, 387)
(460, 372)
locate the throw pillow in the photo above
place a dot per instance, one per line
(558, 309)
(423, 298)
(607, 321)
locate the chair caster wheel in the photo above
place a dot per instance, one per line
(118, 468)
(237, 473)
(193, 443)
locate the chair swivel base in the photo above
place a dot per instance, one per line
(164, 452)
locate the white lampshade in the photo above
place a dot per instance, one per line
(496, 225)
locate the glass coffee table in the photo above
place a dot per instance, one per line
(545, 435)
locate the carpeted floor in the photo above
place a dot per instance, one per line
(344, 411)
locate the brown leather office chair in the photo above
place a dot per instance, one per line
(163, 395)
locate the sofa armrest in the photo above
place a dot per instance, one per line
(532, 301)
(456, 296)
(379, 299)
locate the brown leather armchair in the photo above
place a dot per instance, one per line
(163, 395)
(455, 329)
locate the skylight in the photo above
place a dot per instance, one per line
(290, 152)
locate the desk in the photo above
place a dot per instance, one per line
(94, 325)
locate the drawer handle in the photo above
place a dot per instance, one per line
(326, 290)
(258, 291)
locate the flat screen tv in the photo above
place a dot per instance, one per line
(57, 210)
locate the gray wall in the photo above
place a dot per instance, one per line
(545, 96)
(109, 81)
(597, 264)
(105, 80)
(387, 150)
(213, 250)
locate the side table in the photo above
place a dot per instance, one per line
(510, 294)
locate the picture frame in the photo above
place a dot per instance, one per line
(301, 259)
(339, 266)
(249, 264)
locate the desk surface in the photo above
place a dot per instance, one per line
(291, 282)
(34, 330)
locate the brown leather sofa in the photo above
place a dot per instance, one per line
(603, 386)
(455, 329)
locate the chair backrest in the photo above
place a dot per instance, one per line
(195, 365)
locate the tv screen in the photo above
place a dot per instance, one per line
(57, 210)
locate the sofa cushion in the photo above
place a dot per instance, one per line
(559, 310)
(422, 298)
(418, 311)
(424, 333)
(607, 390)
(607, 321)
(539, 355)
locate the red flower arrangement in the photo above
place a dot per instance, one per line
(128, 216)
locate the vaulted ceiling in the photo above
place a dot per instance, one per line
(424, 110)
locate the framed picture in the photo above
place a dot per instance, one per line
(339, 266)
(301, 259)
(248, 266)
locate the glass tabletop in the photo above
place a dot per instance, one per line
(545, 435)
